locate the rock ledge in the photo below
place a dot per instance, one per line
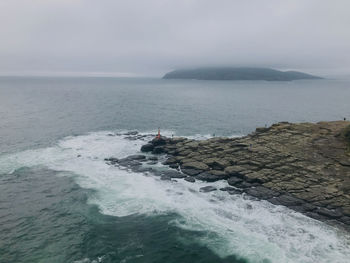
(304, 166)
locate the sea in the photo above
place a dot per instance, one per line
(61, 202)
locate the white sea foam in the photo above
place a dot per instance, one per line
(234, 224)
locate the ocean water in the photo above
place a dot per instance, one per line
(60, 201)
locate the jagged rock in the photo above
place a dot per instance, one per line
(191, 172)
(261, 192)
(234, 181)
(132, 160)
(216, 163)
(303, 166)
(345, 220)
(158, 142)
(329, 213)
(131, 133)
(261, 129)
(234, 170)
(287, 200)
(190, 179)
(174, 174)
(165, 178)
(147, 147)
(253, 177)
(231, 190)
(142, 169)
(138, 157)
(158, 150)
(206, 189)
(171, 160)
(244, 185)
(112, 160)
(210, 176)
(195, 165)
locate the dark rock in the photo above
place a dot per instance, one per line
(142, 169)
(234, 181)
(191, 172)
(252, 178)
(329, 213)
(218, 173)
(208, 177)
(147, 147)
(132, 160)
(314, 215)
(112, 160)
(299, 208)
(287, 200)
(158, 141)
(308, 207)
(208, 188)
(153, 158)
(232, 190)
(131, 133)
(345, 220)
(274, 201)
(249, 207)
(174, 174)
(235, 192)
(157, 172)
(235, 171)
(170, 161)
(244, 185)
(190, 179)
(216, 163)
(165, 178)
(261, 129)
(175, 165)
(261, 192)
(136, 157)
(158, 150)
(227, 188)
(134, 163)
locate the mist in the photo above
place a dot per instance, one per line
(149, 38)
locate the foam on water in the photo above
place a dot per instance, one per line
(234, 224)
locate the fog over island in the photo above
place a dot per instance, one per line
(150, 38)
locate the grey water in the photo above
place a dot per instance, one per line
(37, 111)
(56, 207)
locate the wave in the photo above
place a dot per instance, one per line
(235, 224)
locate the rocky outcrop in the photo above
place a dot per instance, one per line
(303, 166)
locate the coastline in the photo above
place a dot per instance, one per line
(303, 166)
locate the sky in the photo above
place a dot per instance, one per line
(151, 37)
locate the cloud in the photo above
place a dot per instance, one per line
(153, 36)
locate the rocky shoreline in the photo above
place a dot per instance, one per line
(304, 166)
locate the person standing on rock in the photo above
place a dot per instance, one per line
(158, 135)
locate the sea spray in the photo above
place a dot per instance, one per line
(234, 224)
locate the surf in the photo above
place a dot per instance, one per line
(234, 224)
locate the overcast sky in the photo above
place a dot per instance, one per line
(151, 37)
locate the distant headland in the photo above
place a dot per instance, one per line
(237, 73)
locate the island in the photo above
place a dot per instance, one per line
(237, 73)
